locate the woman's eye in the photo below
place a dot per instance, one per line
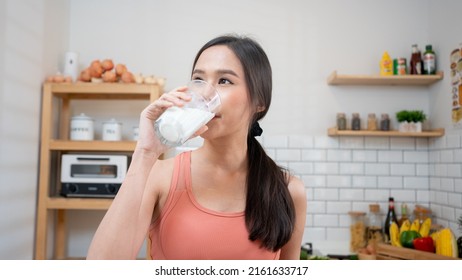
(224, 81)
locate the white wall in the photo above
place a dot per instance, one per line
(305, 41)
(444, 32)
(32, 34)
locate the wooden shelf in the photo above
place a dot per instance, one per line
(80, 90)
(333, 131)
(55, 120)
(376, 80)
(79, 203)
(104, 146)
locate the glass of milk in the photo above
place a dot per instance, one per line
(177, 124)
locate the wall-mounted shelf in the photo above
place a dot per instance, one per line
(333, 132)
(377, 80)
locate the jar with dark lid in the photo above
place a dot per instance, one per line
(385, 122)
(356, 122)
(341, 121)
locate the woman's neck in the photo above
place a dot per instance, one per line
(228, 155)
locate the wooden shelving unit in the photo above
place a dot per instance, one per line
(377, 80)
(48, 202)
(333, 132)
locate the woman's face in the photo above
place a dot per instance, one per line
(219, 66)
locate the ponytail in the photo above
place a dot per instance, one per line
(269, 212)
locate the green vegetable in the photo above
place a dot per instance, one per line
(407, 237)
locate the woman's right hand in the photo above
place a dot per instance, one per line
(148, 140)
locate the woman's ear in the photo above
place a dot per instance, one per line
(260, 109)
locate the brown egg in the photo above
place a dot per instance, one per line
(107, 64)
(109, 77)
(85, 75)
(96, 70)
(68, 79)
(49, 79)
(120, 69)
(127, 77)
(58, 78)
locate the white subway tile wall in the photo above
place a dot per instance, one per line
(343, 174)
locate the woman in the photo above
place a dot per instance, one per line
(225, 200)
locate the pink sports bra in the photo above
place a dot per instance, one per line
(185, 230)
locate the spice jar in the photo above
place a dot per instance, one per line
(341, 121)
(371, 122)
(357, 231)
(385, 122)
(356, 122)
(374, 228)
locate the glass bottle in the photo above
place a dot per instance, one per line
(404, 215)
(391, 217)
(356, 122)
(357, 231)
(429, 61)
(341, 121)
(374, 228)
(371, 122)
(385, 122)
(416, 61)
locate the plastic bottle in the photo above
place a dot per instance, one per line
(386, 65)
(429, 61)
(416, 61)
(391, 217)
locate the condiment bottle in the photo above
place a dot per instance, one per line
(357, 230)
(386, 65)
(341, 121)
(416, 61)
(371, 122)
(374, 228)
(429, 61)
(356, 122)
(404, 215)
(385, 122)
(391, 217)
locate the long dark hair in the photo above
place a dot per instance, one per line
(269, 211)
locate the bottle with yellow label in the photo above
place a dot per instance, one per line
(386, 65)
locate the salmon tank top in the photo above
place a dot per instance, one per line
(187, 231)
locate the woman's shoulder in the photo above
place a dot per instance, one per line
(296, 187)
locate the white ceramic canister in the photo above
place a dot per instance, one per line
(112, 130)
(82, 128)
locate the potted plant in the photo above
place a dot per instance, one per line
(410, 121)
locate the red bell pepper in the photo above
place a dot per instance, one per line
(424, 244)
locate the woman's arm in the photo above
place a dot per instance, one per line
(123, 229)
(291, 251)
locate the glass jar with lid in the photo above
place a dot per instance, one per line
(357, 230)
(374, 228)
(371, 122)
(341, 121)
(355, 122)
